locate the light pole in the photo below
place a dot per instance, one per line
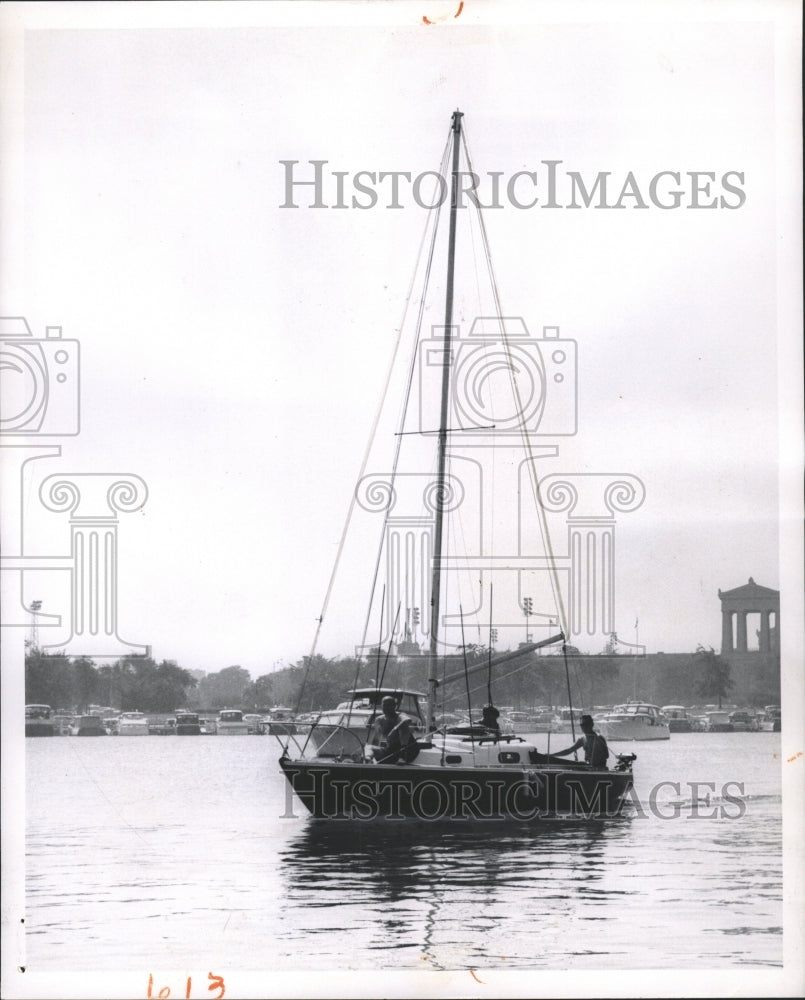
(528, 608)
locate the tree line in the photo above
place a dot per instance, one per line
(139, 683)
(134, 683)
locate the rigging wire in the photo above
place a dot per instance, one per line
(569, 697)
(388, 652)
(541, 520)
(466, 674)
(489, 675)
(433, 215)
(435, 212)
(432, 220)
(377, 664)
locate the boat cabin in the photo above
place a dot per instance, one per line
(743, 721)
(88, 725)
(346, 728)
(364, 706)
(37, 711)
(188, 724)
(408, 702)
(280, 721)
(770, 720)
(718, 722)
(232, 723)
(132, 724)
(254, 722)
(38, 721)
(678, 719)
(636, 708)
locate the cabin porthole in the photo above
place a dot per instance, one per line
(452, 758)
(509, 757)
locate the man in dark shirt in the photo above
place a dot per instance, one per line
(391, 732)
(490, 717)
(596, 751)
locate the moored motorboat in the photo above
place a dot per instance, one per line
(132, 724)
(188, 724)
(88, 725)
(472, 772)
(279, 721)
(39, 720)
(162, 727)
(717, 722)
(231, 723)
(678, 719)
(771, 719)
(62, 723)
(516, 722)
(743, 721)
(567, 720)
(255, 723)
(543, 722)
(636, 720)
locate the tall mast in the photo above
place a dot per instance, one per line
(440, 480)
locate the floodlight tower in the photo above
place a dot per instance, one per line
(33, 639)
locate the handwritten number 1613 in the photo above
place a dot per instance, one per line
(216, 983)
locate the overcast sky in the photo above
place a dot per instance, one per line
(233, 351)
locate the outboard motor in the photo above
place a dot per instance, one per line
(625, 761)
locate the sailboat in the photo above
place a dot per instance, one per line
(474, 772)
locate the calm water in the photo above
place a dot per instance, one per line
(177, 853)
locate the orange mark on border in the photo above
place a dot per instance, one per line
(477, 980)
(791, 759)
(427, 20)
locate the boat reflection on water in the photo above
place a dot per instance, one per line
(409, 882)
(382, 838)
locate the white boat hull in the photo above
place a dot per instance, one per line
(132, 726)
(633, 730)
